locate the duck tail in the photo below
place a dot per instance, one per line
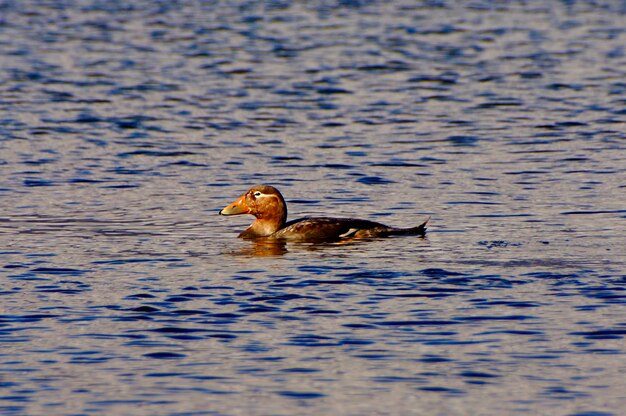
(419, 230)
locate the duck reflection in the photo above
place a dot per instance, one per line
(264, 248)
(269, 247)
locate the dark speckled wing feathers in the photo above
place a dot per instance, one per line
(328, 229)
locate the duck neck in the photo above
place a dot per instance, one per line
(263, 227)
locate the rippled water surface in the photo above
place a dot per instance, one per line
(126, 126)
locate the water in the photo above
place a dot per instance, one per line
(126, 126)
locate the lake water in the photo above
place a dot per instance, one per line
(126, 126)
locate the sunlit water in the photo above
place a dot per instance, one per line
(126, 126)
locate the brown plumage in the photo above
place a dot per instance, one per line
(268, 206)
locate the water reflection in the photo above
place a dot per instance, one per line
(263, 248)
(266, 247)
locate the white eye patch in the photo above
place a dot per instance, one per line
(259, 194)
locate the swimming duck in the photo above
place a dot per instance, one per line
(268, 206)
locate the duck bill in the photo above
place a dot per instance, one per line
(237, 207)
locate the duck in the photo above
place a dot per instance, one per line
(269, 208)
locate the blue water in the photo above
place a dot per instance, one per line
(126, 126)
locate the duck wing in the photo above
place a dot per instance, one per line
(332, 229)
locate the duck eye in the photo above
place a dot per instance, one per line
(257, 194)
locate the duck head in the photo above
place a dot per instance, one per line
(266, 204)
